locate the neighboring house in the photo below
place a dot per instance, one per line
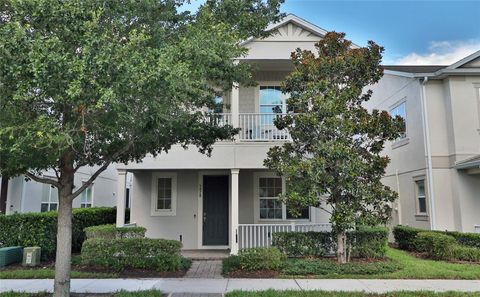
(435, 164)
(19, 195)
(228, 200)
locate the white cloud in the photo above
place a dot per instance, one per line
(441, 53)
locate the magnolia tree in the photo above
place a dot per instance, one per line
(334, 161)
(89, 83)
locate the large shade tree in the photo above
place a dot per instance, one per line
(89, 83)
(334, 160)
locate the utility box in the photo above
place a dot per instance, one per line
(31, 256)
(10, 255)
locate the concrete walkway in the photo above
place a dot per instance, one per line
(203, 286)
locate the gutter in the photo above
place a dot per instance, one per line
(428, 151)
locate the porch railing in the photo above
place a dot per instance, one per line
(260, 127)
(260, 235)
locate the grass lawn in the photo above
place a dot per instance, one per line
(36, 273)
(272, 293)
(152, 293)
(409, 267)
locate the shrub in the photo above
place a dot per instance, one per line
(369, 242)
(141, 253)
(298, 244)
(405, 237)
(230, 264)
(465, 253)
(40, 229)
(261, 259)
(436, 245)
(330, 267)
(468, 239)
(112, 232)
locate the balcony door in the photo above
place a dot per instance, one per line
(272, 103)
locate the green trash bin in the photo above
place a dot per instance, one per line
(31, 256)
(10, 255)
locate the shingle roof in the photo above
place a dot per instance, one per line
(414, 68)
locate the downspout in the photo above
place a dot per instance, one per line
(428, 151)
(399, 205)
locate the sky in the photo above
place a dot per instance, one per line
(429, 32)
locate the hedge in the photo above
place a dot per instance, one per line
(366, 242)
(261, 259)
(124, 253)
(441, 246)
(111, 232)
(405, 237)
(40, 229)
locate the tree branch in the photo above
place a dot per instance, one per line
(43, 180)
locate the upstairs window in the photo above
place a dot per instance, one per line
(400, 110)
(49, 198)
(421, 197)
(86, 197)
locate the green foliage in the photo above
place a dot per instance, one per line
(438, 246)
(324, 267)
(230, 264)
(466, 253)
(335, 157)
(40, 229)
(112, 232)
(369, 242)
(261, 259)
(295, 293)
(142, 253)
(303, 244)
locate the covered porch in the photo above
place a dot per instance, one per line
(223, 209)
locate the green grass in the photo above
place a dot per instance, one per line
(272, 293)
(410, 267)
(150, 293)
(37, 273)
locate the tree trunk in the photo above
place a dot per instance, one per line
(341, 246)
(64, 230)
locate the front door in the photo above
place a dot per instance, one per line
(215, 210)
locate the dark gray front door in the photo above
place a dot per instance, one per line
(215, 210)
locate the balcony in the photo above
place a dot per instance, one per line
(254, 127)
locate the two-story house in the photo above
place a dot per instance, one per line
(228, 200)
(435, 165)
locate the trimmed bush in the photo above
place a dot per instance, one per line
(261, 259)
(438, 246)
(40, 229)
(111, 232)
(124, 253)
(308, 244)
(367, 242)
(466, 253)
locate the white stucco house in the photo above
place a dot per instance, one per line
(435, 165)
(228, 200)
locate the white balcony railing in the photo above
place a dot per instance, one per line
(260, 127)
(260, 235)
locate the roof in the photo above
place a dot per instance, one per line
(414, 68)
(473, 162)
(302, 23)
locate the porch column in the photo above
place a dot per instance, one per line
(234, 212)
(235, 107)
(121, 184)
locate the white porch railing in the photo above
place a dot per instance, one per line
(221, 119)
(260, 235)
(260, 127)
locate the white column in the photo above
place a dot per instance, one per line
(235, 107)
(121, 184)
(234, 212)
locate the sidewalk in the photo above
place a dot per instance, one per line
(198, 285)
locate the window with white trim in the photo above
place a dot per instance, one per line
(401, 110)
(421, 197)
(164, 194)
(49, 198)
(270, 207)
(86, 197)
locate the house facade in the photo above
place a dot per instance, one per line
(435, 165)
(228, 200)
(20, 196)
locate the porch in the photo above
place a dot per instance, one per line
(214, 210)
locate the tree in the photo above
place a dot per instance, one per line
(89, 83)
(334, 161)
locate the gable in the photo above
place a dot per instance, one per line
(292, 32)
(472, 64)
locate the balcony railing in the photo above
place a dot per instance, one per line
(254, 126)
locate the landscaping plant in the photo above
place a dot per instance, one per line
(334, 160)
(91, 83)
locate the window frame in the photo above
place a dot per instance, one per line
(416, 180)
(154, 194)
(284, 99)
(49, 202)
(403, 101)
(84, 191)
(256, 203)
